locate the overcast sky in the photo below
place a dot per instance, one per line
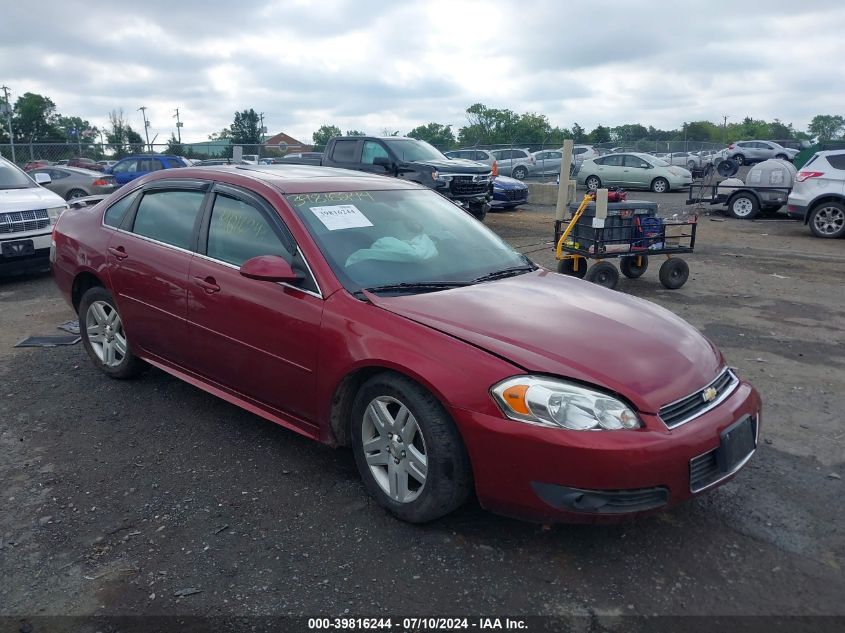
(375, 64)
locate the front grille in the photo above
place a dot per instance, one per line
(465, 186)
(516, 194)
(18, 221)
(685, 409)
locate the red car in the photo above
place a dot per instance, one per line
(371, 312)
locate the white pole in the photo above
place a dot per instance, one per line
(563, 190)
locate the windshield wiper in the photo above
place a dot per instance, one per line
(421, 286)
(505, 272)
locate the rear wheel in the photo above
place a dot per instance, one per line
(520, 172)
(593, 183)
(408, 451)
(782, 157)
(603, 274)
(567, 267)
(828, 220)
(104, 337)
(744, 207)
(660, 185)
(674, 273)
(739, 159)
(631, 269)
(73, 194)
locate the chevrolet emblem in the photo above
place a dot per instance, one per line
(709, 394)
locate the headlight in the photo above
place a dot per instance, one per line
(54, 212)
(559, 404)
(441, 177)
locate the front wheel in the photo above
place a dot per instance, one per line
(567, 267)
(408, 451)
(744, 207)
(660, 185)
(592, 183)
(828, 220)
(520, 172)
(603, 274)
(632, 268)
(104, 337)
(478, 210)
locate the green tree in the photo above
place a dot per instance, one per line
(579, 134)
(34, 118)
(441, 136)
(122, 138)
(246, 128)
(355, 133)
(323, 134)
(629, 133)
(223, 134)
(600, 134)
(174, 146)
(826, 127)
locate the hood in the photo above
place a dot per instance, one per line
(28, 199)
(554, 324)
(504, 182)
(456, 165)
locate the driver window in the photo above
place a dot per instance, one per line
(371, 151)
(635, 161)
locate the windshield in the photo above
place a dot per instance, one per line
(412, 150)
(13, 178)
(657, 162)
(379, 238)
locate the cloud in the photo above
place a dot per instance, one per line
(368, 64)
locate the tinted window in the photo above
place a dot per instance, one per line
(238, 232)
(635, 161)
(614, 160)
(344, 151)
(125, 166)
(168, 216)
(519, 153)
(579, 150)
(480, 156)
(371, 150)
(58, 174)
(116, 212)
(837, 161)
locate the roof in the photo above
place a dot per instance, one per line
(288, 140)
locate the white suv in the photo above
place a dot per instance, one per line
(27, 215)
(818, 195)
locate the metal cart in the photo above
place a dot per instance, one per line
(633, 232)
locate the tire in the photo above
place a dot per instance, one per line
(478, 211)
(629, 268)
(567, 267)
(739, 159)
(592, 183)
(520, 172)
(75, 193)
(690, 165)
(103, 336)
(660, 185)
(431, 449)
(603, 274)
(782, 157)
(674, 273)
(771, 209)
(509, 207)
(828, 220)
(744, 207)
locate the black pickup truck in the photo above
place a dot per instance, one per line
(467, 183)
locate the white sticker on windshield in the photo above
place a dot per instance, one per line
(341, 216)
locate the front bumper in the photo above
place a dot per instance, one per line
(537, 473)
(37, 261)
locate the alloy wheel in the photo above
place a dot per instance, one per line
(104, 330)
(394, 449)
(829, 220)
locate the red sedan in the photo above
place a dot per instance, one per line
(371, 312)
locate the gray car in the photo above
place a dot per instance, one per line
(516, 163)
(75, 182)
(478, 155)
(747, 152)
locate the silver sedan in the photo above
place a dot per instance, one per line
(75, 182)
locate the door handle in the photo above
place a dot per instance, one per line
(118, 252)
(209, 284)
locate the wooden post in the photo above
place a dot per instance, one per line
(601, 204)
(563, 191)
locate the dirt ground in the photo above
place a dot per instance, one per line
(153, 497)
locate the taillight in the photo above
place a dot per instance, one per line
(102, 182)
(801, 176)
(495, 169)
(731, 146)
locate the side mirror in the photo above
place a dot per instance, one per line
(43, 179)
(269, 268)
(384, 161)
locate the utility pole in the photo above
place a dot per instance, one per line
(725, 129)
(261, 131)
(178, 127)
(143, 110)
(8, 107)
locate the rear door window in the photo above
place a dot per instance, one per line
(169, 216)
(344, 151)
(837, 161)
(614, 160)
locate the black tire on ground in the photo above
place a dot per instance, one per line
(603, 274)
(479, 211)
(782, 157)
(743, 206)
(828, 220)
(592, 183)
(448, 478)
(739, 159)
(629, 268)
(130, 365)
(660, 185)
(509, 207)
(674, 273)
(75, 193)
(567, 267)
(520, 172)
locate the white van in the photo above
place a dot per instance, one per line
(27, 215)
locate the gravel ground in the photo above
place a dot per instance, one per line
(152, 497)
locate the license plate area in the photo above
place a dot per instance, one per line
(737, 441)
(18, 248)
